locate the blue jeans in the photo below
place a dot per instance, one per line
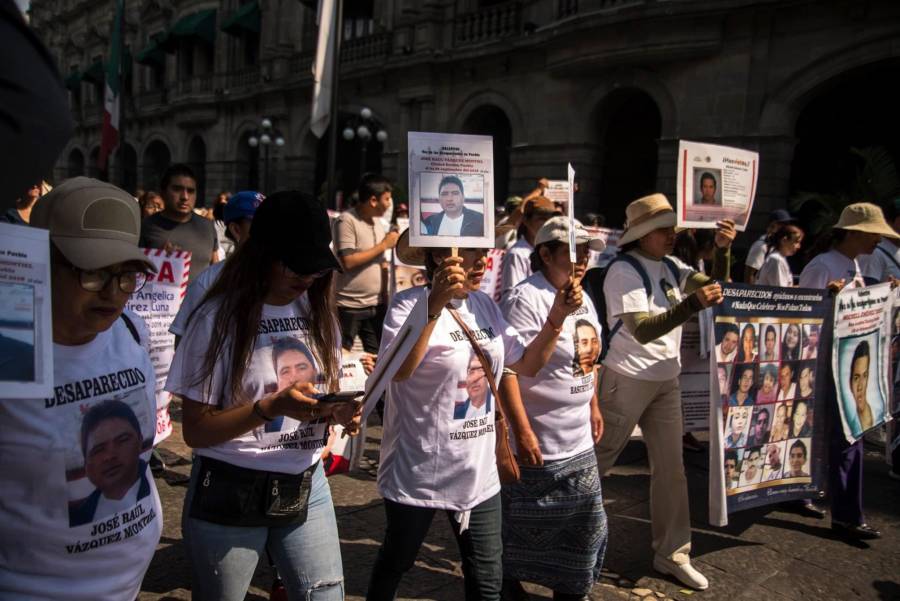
(481, 548)
(307, 556)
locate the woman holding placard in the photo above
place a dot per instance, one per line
(649, 296)
(438, 446)
(560, 492)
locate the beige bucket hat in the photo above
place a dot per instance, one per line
(865, 217)
(645, 215)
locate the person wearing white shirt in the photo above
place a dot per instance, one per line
(74, 464)
(430, 460)
(639, 382)
(775, 271)
(884, 263)
(517, 260)
(760, 248)
(562, 410)
(857, 232)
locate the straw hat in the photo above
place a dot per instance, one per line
(557, 228)
(411, 255)
(865, 217)
(645, 215)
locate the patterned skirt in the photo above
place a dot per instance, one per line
(554, 525)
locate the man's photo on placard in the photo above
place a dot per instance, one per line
(451, 204)
(860, 393)
(707, 186)
(107, 469)
(17, 355)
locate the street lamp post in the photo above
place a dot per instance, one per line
(266, 135)
(361, 127)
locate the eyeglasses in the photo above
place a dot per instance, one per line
(95, 280)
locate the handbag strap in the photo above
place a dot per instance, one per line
(482, 358)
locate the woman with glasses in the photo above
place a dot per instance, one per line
(438, 447)
(73, 463)
(258, 351)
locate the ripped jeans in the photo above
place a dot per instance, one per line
(308, 556)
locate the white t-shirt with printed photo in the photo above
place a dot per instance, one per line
(285, 444)
(557, 400)
(80, 516)
(432, 455)
(193, 296)
(775, 271)
(516, 265)
(659, 359)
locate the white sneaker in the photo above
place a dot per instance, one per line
(683, 572)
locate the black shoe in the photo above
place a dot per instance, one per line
(860, 532)
(513, 591)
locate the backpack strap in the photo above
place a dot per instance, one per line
(888, 255)
(673, 268)
(131, 327)
(645, 279)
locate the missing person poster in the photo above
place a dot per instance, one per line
(157, 303)
(860, 357)
(558, 191)
(767, 384)
(26, 331)
(611, 238)
(451, 190)
(714, 183)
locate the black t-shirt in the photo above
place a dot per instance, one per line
(197, 236)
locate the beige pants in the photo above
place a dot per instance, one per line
(656, 407)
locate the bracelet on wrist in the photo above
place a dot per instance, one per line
(257, 410)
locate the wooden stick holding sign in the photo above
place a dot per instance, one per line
(573, 258)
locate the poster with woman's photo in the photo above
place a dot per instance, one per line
(26, 348)
(861, 359)
(451, 190)
(766, 428)
(714, 183)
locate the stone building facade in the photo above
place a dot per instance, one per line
(610, 85)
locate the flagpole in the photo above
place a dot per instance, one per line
(333, 111)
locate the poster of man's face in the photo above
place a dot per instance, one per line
(111, 472)
(17, 357)
(707, 188)
(862, 390)
(587, 348)
(408, 277)
(451, 204)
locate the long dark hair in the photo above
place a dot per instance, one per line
(241, 289)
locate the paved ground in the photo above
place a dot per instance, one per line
(763, 554)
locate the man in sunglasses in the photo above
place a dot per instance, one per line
(99, 360)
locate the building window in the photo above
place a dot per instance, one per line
(359, 19)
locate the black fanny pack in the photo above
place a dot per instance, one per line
(237, 496)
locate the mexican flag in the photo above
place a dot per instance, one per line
(112, 89)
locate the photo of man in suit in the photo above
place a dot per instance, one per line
(111, 442)
(454, 219)
(478, 403)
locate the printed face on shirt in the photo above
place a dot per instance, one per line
(476, 383)
(587, 347)
(293, 363)
(112, 453)
(451, 198)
